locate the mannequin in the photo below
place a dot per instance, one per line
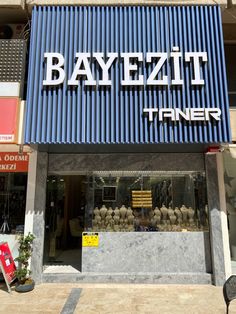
(109, 227)
(154, 220)
(112, 223)
(178, 214)
(170, 211)
(184, 212)
(108, 218)
(157, 211)
(97, 220)
(116, 219)
(130, 219)
(129, 216)
(157, 215)
(123, 211)
(116, 228)
(167, 225)
(164, 212)
(96, 211)
(158, 219)
(172, 216)
(117, 212)
(103, 211)
(129, 211)
(130, 228)
(151, 213)
(116, 216)
(122, 221)
(110, 211)
(126, 226)
(190, 216)
(122, 224)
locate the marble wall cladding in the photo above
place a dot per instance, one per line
(133, 253)
(41, 182)
(130, 162)
(38, 214)
(216, 235)
(145, 278)
(150, 252)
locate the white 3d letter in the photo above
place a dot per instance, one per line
(82, 59)
(105, 66)
(162, 56)
(196, 65)
(50, 56)
(176, 61)
(131, 67)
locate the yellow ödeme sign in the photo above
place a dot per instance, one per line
(90, 239)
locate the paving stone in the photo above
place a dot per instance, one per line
(117, 298)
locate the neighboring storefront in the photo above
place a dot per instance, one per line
(14, 157)
(229, 151)
(126, 107)
(13, 171)
(13, 187)
(230, 188)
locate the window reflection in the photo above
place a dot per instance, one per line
(123, 201)
(130, 201)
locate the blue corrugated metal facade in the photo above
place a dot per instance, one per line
(114, 114)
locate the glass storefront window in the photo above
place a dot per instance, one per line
(149, 201)
(120, 201)
(12, 202)
(230, 50)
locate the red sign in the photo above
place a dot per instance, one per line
(9, 108)
(213, 149)
(7, 263)
(14, 162)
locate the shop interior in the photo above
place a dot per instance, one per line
(64, 220)
(119, 201)
(13, 188)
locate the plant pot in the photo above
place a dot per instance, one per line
(26, 287)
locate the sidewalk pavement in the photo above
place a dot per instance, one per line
(115, 298)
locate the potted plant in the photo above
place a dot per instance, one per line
(25, 282)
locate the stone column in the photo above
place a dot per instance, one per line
(221, 265)
(35, 209)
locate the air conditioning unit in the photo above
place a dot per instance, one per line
(11, 31)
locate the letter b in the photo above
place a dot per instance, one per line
(54, 67)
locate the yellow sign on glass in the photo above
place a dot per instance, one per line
(90, 239)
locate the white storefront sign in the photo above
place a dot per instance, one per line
(131, 67)
(132, 62)
(189, 114)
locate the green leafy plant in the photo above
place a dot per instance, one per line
(25, 251)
